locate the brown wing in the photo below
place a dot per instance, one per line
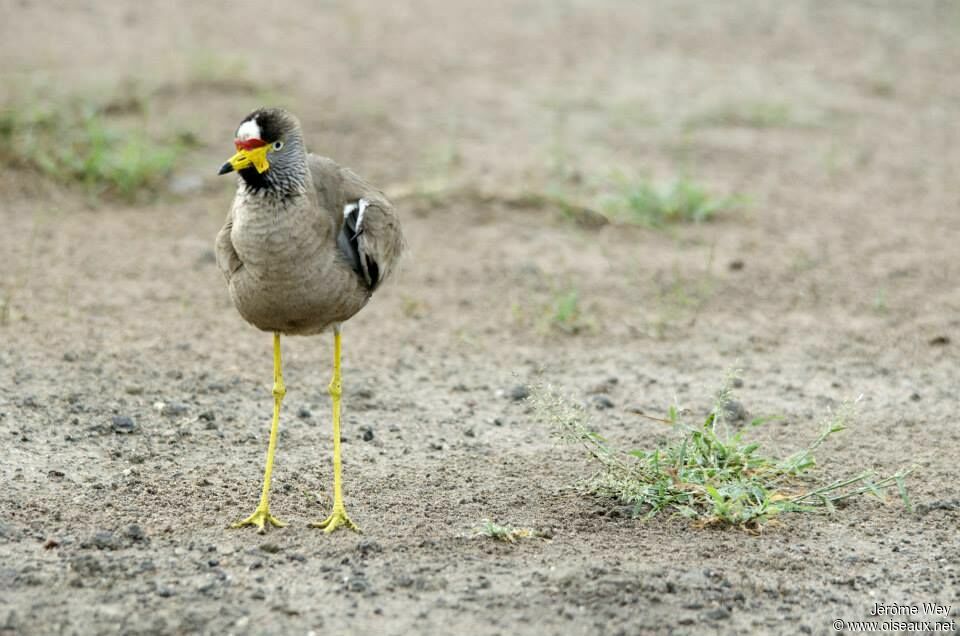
(227, 259)
(365, 223)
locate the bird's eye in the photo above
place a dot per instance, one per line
(277, 145)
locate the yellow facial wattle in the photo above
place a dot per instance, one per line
(256, 157)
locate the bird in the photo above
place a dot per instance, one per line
(305, 245)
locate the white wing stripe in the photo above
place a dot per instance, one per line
(363, 203)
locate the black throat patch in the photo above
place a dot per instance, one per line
(255, 180)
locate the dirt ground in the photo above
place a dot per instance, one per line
(836, 121)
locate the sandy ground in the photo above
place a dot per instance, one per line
(839, 278)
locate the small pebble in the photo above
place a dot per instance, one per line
(173, 409)
(519, 392)
(103, 540)
(304, 413)
(367, 547)
(357, 584)
(718, 613)
(601, 402)
(367, 434)
(123, 424)
(135, 533)
(603, 387)
(734, 411)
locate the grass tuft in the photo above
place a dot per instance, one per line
(707, 473)
(504, 533)
(657, 205)
(75, 142)
(750, 114)
(566, 314)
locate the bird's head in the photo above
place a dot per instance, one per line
(270, 152)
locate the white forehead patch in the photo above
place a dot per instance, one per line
(248, 130)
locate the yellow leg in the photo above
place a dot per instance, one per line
(261, 515)
(339, 516)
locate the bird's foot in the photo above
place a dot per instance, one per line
(336, 519)
(260, 518)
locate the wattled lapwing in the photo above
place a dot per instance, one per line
(305, 245)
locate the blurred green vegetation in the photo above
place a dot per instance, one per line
(103, 146)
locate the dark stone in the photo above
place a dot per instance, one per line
(123, 424)
(362, 393)
(367, 434)
(519, 393)
(367, 547)
(86, 566)
(135, 533)
(717, 613)
(173, 409)
(357, 584)
(103, 540)
(734, 411)
(601, 402)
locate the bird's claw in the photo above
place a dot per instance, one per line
(260, 518)
(336, 519)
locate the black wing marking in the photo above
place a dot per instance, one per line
(348, 240)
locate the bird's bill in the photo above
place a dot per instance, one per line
(246, 157)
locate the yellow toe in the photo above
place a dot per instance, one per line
(337, 519)
(260, 518)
